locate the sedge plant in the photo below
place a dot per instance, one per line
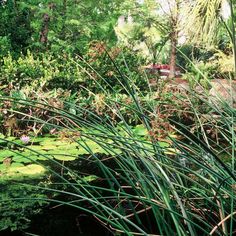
(135, 185)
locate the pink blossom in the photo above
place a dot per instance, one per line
(25, 139)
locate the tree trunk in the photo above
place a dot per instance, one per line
(172, 62)
(45, 26)
(174, 38)
(44, 30)
(64, 10)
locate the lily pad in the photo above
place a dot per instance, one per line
(83, 151)
(11, 138)
(63, 157)
(43, 158)
(32, 169)
(38, 155)
(4, 168)
(17, 165)
(18, 171)
(42, 139)
(68, 146)
(48, 147)
(52, 142)
(5, 153)
(36, 147)
(21, 159)
(91, 144)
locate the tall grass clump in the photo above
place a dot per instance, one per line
(143, 185)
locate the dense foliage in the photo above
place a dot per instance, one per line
(89, 124)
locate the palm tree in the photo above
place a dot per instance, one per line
(204, 17)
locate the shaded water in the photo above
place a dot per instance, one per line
(61, 221)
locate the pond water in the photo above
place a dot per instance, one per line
(27, 162)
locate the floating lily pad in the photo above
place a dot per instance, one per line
(18, 170)
(68, 146)
(5, 153)
(73, 151)
(10, 138)
(102, 151)
(92, 145)
(21, 159)
(52, 142)
(63, 157)
(83, 151)
(35, 147)
(42, 139)
(48, 147)
(116, 151)
(17, 165)
(4, 168)
(43, 157)
(32, 169)
(40, 155)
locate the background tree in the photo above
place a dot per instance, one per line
(16, 31)
(164, 16)
(61, 25)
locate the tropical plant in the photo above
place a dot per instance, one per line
(208, 16)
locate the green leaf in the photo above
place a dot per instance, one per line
(18, 171)
(140, 130)
(82, 151)
(163, 144)
(36, 147)
(11, 138)
(67, 146)
(63, 157)
(90, 178)
(17, 165)
(5, 153)
(31, 169)
(21, 159)
(48, 147)
(42, 139)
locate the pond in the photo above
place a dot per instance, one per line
(41, 161)
(29, 169)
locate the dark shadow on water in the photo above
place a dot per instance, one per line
(62, 221)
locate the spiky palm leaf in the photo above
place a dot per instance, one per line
(203, 20)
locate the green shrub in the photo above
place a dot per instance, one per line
(39, 72)
(113, 67)
(5, 45)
